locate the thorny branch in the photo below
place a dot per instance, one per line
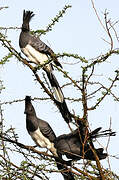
(33, 150)
(54, 21)
(93, 5)
(108, 30)
(82, 88)
(84, 82)
(5, 7)
(106, 93)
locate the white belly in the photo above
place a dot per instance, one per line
(34, 55)
(42, 141)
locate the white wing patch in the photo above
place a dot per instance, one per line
(42, 141)
(34, 55)
(65, 158)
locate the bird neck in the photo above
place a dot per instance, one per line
(25, 27)
(31, 123)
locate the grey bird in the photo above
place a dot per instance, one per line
(44, 136)
(39, 130)
(70, 144)
(76, 146)
(38, 52)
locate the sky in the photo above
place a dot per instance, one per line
(78, 32)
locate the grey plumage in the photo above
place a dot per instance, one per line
(44, 136)
(40, 130)
(35, 42)
(69, 144)
(38, 52)
(72, 145)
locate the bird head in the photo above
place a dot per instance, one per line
(29, 109)
(27, 16)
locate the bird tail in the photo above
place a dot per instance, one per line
(105, 133)
(68, 175)
(27, 16)
(59, 97)
(64, 111)
(55, 86)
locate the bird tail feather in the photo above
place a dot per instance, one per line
(59, 97)
(27, 16)
(57, 92)
(105, 133)
(64, 111)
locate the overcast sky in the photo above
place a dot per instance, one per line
(78, 32)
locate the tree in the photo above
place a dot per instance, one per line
(89, 92)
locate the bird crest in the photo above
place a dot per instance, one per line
(27, 16)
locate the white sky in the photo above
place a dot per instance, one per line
(79, 32)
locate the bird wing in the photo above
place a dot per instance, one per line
(46, 130)
(69, 145)
(40, 46)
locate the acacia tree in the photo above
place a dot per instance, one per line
(90, 93)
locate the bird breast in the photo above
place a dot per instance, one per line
(42, 141)
(34, 55)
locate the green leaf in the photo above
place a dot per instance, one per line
(6, 58)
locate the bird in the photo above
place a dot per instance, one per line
(76, 147)
(70, 144)
(40, 131)
(44, 136)
(39, 53)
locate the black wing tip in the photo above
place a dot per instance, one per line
(99, 152)
(58, 63)
(103, 156)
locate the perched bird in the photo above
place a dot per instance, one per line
(44, 136)
(38, 52)
(39, 130)
(72, 145)
(76, 147)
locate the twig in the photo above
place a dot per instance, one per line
(105, 94)
(97, 15)
(98, 164)
(108, 31)
(54, 21)
(5, 7)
